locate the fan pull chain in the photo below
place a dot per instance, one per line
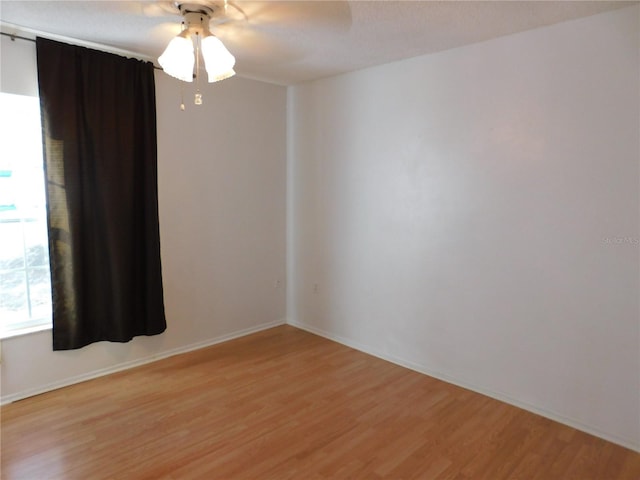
(198, 97)
(182, 107)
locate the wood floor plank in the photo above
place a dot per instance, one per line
(286, 404)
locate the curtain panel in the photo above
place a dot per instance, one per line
(100, 150)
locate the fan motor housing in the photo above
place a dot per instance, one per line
(209, 8)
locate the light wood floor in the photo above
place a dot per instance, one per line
(284, 404)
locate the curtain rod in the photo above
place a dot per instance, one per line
(13, 37)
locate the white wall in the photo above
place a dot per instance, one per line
(223, 206)
(222, 183)
(473, 214)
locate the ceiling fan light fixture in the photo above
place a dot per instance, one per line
(218, 61)
(178, 58)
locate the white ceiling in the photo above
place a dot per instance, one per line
(288, 42)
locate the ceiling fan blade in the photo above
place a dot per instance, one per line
(164, 32)
(254, 46)
(159, 8)
(298, 15)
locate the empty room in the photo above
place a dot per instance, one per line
(320, 239)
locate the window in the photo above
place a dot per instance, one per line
(25, 283)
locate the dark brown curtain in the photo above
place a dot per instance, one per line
(99, 131)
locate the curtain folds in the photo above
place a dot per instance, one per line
(99, 134)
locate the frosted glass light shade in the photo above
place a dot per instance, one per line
(217, 59)
(178, 59)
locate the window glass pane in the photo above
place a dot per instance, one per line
(40, 292)
(8, 196)
(21, 165)
(13, 296)
(12, 246)
(35, 234)
(21, 122)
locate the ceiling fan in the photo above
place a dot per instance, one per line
(240, 26)
(251, 30)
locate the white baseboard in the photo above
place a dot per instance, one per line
(135, 363)
(627, 443)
